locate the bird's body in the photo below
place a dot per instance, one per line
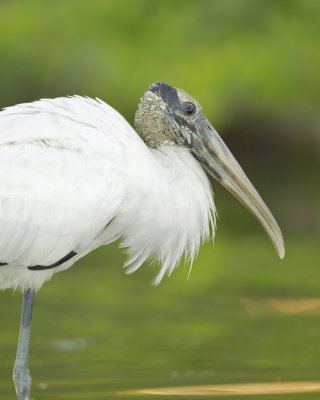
(75, 175)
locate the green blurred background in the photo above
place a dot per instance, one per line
(254, 67)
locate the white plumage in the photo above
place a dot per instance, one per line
(75, 175)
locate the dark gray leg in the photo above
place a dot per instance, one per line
(21, 375)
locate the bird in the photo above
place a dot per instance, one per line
(75, 175)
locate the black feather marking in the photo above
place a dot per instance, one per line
(1, 264)
(108, 223)
(56, 264)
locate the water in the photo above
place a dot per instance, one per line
(242, 317)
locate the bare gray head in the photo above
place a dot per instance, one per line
(166, 115)
(169, 116)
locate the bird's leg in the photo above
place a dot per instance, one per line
(21, 374)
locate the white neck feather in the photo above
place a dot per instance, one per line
(174, 212)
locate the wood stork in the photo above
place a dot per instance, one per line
(75, 175)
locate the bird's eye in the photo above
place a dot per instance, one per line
(189, 108)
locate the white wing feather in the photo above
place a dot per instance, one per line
(61, 180)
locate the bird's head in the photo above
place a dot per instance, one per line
(169, 116)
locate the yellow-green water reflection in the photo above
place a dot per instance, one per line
(100, 334)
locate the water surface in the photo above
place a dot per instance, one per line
(99, 334)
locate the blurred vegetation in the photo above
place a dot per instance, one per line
(253, 64)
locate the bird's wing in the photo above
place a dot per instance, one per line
(61, 178)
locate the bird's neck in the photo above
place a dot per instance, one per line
(152, 123)
(173, 212)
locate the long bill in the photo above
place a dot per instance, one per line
(215, 157)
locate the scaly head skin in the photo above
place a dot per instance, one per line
(169, 116)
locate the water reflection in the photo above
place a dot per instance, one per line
(100, 335)
(288, 306)
(274, 388)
